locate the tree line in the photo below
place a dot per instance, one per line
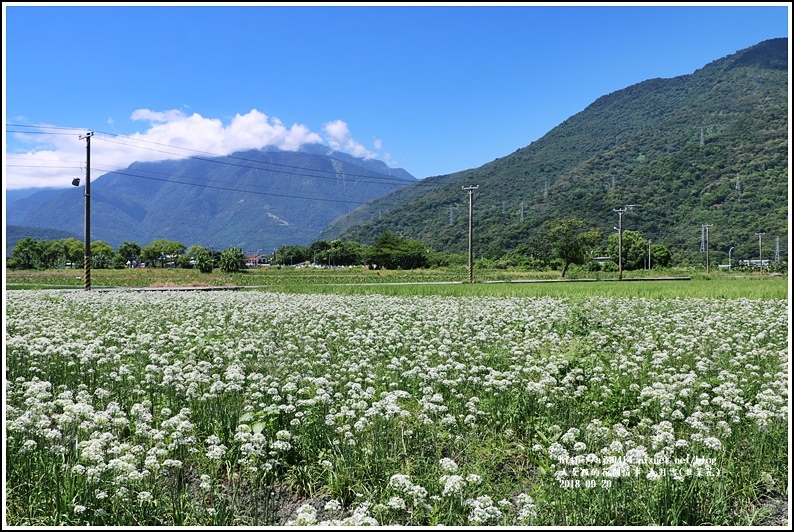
(565, 243)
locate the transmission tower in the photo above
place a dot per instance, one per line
(522, 211)
(777, 249)
(702, 142)
(451, 215)
(545, 189)
(738, 186)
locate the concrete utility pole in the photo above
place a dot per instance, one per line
(649, 254)
(87, 237)
(620, 237)
(777, 249)
(760, 255)
(471, 189)
(706, 227)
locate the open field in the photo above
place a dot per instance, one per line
(270, 406)
(390, 282)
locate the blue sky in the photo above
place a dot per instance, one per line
(431, 89)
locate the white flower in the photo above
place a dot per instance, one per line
(396, 502)
(453, 484)
(473, 479)
(333, 506)
(449, 465)
(306, 516)
(216, 452)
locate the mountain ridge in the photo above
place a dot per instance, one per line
(637, 145)
(253, 199)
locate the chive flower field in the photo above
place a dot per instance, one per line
(252, 408)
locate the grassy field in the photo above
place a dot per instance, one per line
(418, 282)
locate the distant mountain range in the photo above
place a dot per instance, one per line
(710, 147)
(254, 200)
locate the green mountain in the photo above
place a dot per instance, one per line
(254, 200)
(710, 148)
(15, 233)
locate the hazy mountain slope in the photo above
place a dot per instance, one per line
(254, 200)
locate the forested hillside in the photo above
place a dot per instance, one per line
(710, 147)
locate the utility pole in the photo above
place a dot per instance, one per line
(649, 254)
(471, 189)
(620, 237)
(87, 237)
(706, 227)
(777, 249)
(760, 255)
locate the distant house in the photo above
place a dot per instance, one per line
(602, 260)
(255, 260)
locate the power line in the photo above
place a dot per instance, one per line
(355, 202)
(374, 179)
(219, 156)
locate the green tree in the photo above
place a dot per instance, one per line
(75, 252)
(635, 249)
(52, 253)
(129, 251)
(394, 252)
(203, 260)
(195, 248)
(292, 255)
(570, 243)
(101, 254)
(660, 256)
(345, 253)
(159, 250)
(232, 260)
(318, 252)
(27, 253)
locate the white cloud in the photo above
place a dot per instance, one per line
(170, 134)
(338, 137)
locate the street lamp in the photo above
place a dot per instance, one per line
(87, 194)
(620, 237)
(729, 259)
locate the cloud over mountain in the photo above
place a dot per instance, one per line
(172, 134)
